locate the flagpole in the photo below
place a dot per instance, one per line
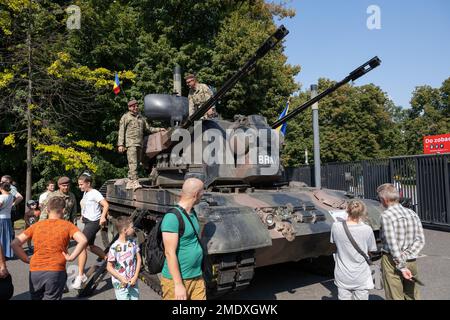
(123, 92)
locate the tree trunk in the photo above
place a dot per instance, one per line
(29, 102)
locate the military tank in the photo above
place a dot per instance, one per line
(250, 216)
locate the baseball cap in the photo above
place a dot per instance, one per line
(63, 180)
(132, 102)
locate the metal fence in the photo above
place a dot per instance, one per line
(423, 179)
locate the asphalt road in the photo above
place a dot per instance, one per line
(289, 281)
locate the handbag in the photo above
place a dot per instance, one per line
(375, 269)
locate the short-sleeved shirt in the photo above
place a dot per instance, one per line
(13, 191)
(352, 272)
(189, 251)
(51, 238)
(6, 201)
(90, 205)
(43, 196)
(31, 216)
(124, 257)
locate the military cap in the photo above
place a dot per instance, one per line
(189, 76)
(132, 102)
(63, 180)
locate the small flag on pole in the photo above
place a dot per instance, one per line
(283, 127)
(116, 86)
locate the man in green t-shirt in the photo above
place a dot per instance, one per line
(182, 272)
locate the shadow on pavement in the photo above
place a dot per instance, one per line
(286, 277)
(22, 296)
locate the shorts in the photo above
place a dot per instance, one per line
(47, 285)
(90, 230)
(195, 288)
(128, 293)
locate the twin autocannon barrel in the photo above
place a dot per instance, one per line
(268, 45)
(355, 74)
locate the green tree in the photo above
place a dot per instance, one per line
(43, 89)
(356, 123)
(429, 115)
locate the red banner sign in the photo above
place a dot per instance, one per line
(436, 144)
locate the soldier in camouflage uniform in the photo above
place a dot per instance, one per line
(70, 211)
(199, 93)
(132, 128)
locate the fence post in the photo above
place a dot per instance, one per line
(365, 179)
(391, 170)
(447, 187)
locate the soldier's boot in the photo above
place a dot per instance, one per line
(136, 185)
(133, 185)
(130, 185)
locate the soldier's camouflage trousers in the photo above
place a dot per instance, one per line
(134, 157)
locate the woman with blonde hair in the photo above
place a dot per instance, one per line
(352, 273)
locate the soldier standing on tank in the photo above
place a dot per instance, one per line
(70, 210)
(132, 128)
(199, 93)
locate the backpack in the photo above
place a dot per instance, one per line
(154, 246)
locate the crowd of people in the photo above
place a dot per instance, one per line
(50, 224)
(182, 277)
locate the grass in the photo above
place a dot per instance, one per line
(19, 224)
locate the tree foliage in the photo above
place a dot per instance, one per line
(429, 115)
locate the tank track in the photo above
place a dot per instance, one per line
(230, 272)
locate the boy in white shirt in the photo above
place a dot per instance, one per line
(124, 261)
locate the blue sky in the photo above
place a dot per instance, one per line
(329, 38)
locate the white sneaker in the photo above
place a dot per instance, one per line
(76, 284)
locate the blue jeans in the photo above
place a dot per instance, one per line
(129, 293)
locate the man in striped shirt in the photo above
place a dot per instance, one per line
(402, 238)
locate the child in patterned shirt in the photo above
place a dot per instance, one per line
(124, 261)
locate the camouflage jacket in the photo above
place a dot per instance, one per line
(132, 129)
(70, 211)
(198, 96)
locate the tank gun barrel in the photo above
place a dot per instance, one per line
(355, 74)
(269, 44)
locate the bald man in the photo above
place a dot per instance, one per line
(182, 277)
